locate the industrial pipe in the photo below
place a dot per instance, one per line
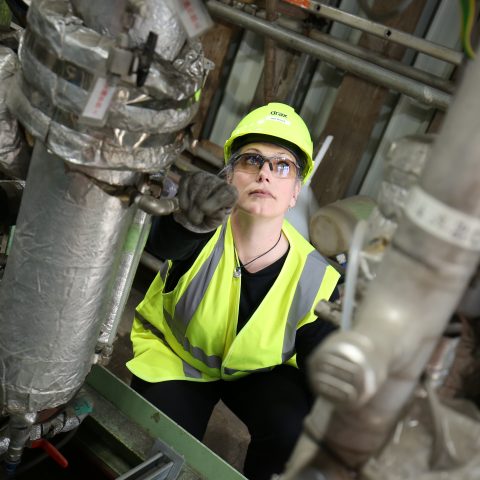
(365, 54)
(98, 127)
(133, 246)
(388, 63)
(370, 372)
(67, 240)
(373, 73)
(387, 33)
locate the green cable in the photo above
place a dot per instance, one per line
(5, 15)
(468, 14)
(10, 239)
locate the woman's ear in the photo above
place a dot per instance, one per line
(295, 193)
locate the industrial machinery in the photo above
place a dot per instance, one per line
(378, 413)
(99, 97)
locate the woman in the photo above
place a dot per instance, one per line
(231, 317)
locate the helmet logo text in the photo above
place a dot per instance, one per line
(280, 114)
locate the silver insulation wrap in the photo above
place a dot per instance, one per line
(158, 18)
(13, 161)
(65, 58)
(68, 236)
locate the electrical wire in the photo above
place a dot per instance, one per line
(468, 9)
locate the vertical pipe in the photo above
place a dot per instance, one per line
(132, 250)
(19, 428)
(419, 283)
(53, 292)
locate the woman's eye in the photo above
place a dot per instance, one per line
(252, 159)
(283, 166)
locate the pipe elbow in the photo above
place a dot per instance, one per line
(346, 369)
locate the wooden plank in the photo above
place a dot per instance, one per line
(354, 114)
(286, 63)
(216, 44)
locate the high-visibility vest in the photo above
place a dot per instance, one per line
(191, 332)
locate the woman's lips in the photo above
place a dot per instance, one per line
(261, 193)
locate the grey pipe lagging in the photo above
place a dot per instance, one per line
(369, 373)
(74, 218)
(67, 240)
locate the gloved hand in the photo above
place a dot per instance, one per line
(205, 200)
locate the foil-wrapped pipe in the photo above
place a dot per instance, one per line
(63, 60)
(66, 40)
(103, 149)
(67, 420)
(68, 236)
(13, 156)
(4, 443)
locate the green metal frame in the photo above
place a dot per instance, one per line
(197, 456)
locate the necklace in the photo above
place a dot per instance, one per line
(237, 272)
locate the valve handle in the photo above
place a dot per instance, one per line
(51, 451)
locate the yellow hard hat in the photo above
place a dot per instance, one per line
(275, 123)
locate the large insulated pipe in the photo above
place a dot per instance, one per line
(370, 372)
(73, 222)
(104, 108)
(52, 295)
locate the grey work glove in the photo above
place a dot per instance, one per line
(205, 200)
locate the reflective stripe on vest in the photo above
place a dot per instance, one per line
(184, 311)
(164, 270)
(188, 370)
(307, 289)
(212, 361)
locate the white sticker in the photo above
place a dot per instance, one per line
(278, 119)
(194, 16)
(442, 221)
(99, 100)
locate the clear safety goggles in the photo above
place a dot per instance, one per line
(252, 162)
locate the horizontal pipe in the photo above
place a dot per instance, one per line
(156, 206)
(388, 63)
(150, 261)
(206, 155)
(373, 73)
(387, 33)
(365, 54)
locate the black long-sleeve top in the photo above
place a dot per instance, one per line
(170, 240)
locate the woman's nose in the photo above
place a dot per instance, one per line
(265, 172)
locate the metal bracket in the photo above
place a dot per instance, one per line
(164, 464)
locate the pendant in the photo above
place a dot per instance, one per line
(237, 273)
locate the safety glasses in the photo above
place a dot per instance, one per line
(280, 167)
